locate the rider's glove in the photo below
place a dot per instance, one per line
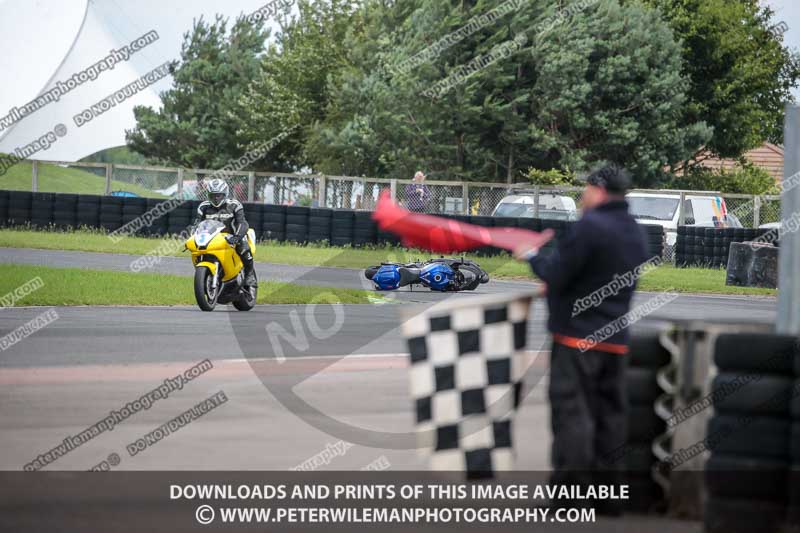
(233, 240)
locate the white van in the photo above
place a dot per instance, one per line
(551, 206)
(662, 209)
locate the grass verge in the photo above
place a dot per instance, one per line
(74, 286)
(690, 280)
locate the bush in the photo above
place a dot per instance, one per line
(551, 177)
(744, 179)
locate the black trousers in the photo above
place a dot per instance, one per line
(587, 413)
(243, 249)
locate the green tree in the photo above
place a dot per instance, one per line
(291, 89)
(551, 177)
(745, 178)
(598, 83)
(740, 73)
(197, 124)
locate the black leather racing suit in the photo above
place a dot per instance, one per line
(231, 213)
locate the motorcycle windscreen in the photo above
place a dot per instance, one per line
(207, 230)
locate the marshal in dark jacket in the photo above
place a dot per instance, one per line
(605, 242)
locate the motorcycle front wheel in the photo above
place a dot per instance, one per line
(205, 295)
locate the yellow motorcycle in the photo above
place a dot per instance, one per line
(218, 269)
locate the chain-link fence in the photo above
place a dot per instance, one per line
(431, 197)
(343, 192)
(149, 182)
(286, 189)
(483, 199)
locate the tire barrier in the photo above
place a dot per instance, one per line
(297, 224)
(4, 207)
(709, 247)
(19, 207)
(65, 211)
(645, 424)
(748, 476)
(158, 226)
(110, 213)
(342, 227)
(87, 211)
(654, 236)
(132, 209)
(42, 209)
(181, 217)
(319, 224)
(273, 226)
(254, 213)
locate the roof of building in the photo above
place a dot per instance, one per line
(767, 156)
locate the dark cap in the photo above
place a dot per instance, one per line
(612, 178)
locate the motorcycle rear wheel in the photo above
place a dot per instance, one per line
(247, 301)
(202, 285)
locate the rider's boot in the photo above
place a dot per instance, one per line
(250, 279)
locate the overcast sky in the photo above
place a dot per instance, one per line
(788, 11)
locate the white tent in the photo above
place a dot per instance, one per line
(47, 42)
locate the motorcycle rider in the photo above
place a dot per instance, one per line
(230, 212)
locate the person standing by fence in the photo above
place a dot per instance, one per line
(418, 194)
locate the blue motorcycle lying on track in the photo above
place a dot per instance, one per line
(443, 275)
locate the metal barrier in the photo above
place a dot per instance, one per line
(685, 381)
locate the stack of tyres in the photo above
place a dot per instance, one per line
(3, 208)
(110, 213)
(647, 356)
(793, 513)
(768, 235)
(42, 209)
(531, 224)
(273, 225)
(342, 227)
(65, 211)
(180, 218)
(708, 246)
(132, 210)
(654, 236)
(722, 242)
(254, 214)
(88, 211)
(682, 244)
(364, 229)
(728, 236)
(749, 433)
(158, 224)
(387, 238)
(19, 208)
(694, 246)
(384, 237)
(193, 205)
(319, 224)
(297, 224)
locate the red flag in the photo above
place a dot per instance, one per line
(443, 235)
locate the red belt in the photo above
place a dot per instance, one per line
(573, 342)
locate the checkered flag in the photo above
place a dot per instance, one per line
(466, 380)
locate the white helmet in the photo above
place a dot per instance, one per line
(217, 191)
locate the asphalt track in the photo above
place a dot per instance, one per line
(98, 335)
(69, 375)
